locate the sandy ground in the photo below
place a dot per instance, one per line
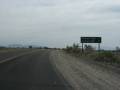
(83, 75)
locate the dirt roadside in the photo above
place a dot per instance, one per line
(83, 75)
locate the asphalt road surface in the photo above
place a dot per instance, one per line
(33, 71)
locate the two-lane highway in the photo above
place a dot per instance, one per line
(31, 72)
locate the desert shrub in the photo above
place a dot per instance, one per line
(88, 49)
(68, 49)
(106, 56)
(73, 49)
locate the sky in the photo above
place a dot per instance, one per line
(57, 23)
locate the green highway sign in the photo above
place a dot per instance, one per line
(91, 39)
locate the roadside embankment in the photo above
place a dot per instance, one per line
(84, 75)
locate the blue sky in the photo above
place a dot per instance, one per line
(57, 23)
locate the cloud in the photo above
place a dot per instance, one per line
(58, 22)
(114, 9)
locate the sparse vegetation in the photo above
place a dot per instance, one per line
(89, 52)
(106, 56)
(89, 49)
(73, 49)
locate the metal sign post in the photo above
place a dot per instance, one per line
(82, 47)
(99, 47)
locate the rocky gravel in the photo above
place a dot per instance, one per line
(83, 75)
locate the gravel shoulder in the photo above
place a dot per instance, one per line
(83, 75)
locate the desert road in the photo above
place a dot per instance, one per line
(32, 71)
